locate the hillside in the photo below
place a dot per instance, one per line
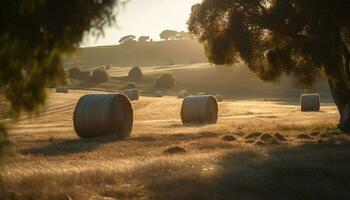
(146, 54)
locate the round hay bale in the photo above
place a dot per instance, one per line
(219, 97)
(61, 90)
(199, 109)
(159, 93)
(133, 94)
(310, 102)
(103, 114)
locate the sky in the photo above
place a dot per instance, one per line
(145, 17)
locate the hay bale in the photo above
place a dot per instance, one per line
(61, 90)
(159, 93)
(199, 109)
(219, 97)
(103, 114)
(310, 102)
(133, 94)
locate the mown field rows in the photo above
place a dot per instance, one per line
(48, 154)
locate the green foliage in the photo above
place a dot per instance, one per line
(99, 76)
(127, 39)
(183, 35)
(35, 35)
(168, 35)
(135, 74)
(143, 39)
(74, 73)
(276, 37)
(166, 81)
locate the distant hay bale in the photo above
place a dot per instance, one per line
(103, 114)
(133, 94)
(159, 93)
(310, 102)
(219, 97)
(61, 90)
(199, 109)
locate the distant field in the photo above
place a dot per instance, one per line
(233, 82)
(51, 162)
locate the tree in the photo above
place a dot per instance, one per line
(34, 36)
(135, 74)
(166, 81)
(168, 35)
(143, 39)
(183, 35)
(74, 73)
(276, 37)
(127, 39)
(99, 76)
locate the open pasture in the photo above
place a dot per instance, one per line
(58, 164)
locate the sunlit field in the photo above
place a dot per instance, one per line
(258, 149)
(191, 99)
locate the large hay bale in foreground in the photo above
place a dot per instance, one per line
(133, 94)
(199, 109)
(103, 114)
(61, 90)
(310, 102)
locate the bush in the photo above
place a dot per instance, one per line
(74, 73)
(85, 76)
(166, 81)
(135, 74)
(99, 76)
(130, 85)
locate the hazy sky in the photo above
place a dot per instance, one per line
(146, 17)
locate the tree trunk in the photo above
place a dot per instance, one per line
(341, 95)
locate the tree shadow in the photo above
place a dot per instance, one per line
(312, 171)
(66, 147)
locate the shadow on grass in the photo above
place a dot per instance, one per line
(65, 147)
(187, 125)
(306, 172)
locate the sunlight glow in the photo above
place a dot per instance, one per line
(140, 17)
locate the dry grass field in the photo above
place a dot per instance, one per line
(240, 157)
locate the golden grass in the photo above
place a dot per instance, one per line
(51, 162)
